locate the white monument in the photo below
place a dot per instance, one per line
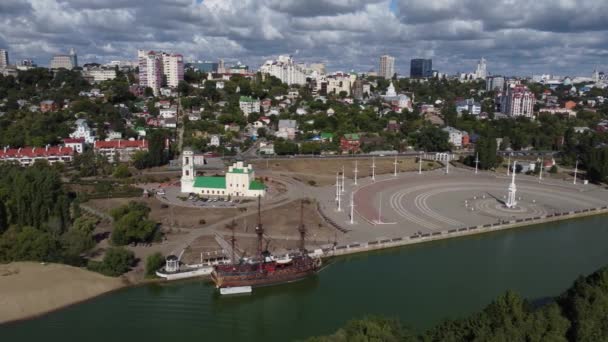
(511, 202)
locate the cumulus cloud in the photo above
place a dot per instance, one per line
(516, 36)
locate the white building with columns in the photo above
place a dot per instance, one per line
(239, 180)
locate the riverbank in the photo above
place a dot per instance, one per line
(454, 233)
(31, 289)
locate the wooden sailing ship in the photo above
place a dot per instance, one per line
(264, 268)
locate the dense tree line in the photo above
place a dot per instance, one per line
(39, 220)
(579, 314)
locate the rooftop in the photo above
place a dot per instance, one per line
(210, 182)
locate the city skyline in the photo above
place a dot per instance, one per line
(516, 38)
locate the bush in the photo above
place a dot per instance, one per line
(553, 169)
(121, 171)
(117, 261)
(153, 263)
(312, 183)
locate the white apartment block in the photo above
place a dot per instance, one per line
(101, 74)
(249, 105)
(62, 61)
(454, 136)
(173, 68)
(387, 66)
(285, 69)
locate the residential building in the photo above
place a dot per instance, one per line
(120, 150)
(249, 105)
(239, 180)
(518, 101)
(360, 89)
(206, 66)
(387, 67)
(83, 131)
(3, 58)
(287, 129)
(455, 136)
(48, 106)
(557, 111)
(470, 105)
(173, 68)
(266, 148)
(285, 69)
(481, 71)
(167, 113)
(215, 140)
(69, 61)
(27, 156)
(421, 68)
(350, 143)
(76, 144)
(495, 83)
(101, 74)
(338, 83)
(150, 70)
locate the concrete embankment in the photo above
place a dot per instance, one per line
(458, 232)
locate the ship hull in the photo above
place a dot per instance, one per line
(262, 275)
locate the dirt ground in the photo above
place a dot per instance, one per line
(323, 171)
(173, 216)
(284, 221)
(30, 289)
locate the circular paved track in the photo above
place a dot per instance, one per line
(438, 202)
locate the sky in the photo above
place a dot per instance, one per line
(517, 37)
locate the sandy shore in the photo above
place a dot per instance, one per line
(28, 289)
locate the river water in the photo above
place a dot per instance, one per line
(420, 284)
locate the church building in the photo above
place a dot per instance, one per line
(238, 182)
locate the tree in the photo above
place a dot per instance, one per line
(153, 263)
(122, 171)
(148, 92)
(131, 224)
(116, 261)
(485, 148)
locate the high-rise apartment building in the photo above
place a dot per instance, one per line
(285, 69)
(421, 68)
(495, 83)
(150, 70)
(69, 61)
(173, 68)
(3, 58)
(518, 101)
(153, 65)
(481, 71)
(387, 66)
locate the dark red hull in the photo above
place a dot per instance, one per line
(264, 274)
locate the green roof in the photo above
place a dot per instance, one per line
(210, 182)
(246, 99)
(235, 170)
(353, 136)
(327, 135)
(256, 185)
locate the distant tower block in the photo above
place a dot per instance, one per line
(511, 202)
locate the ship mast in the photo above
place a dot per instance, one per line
(302, 229)
(259, 230)
(232, 226)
